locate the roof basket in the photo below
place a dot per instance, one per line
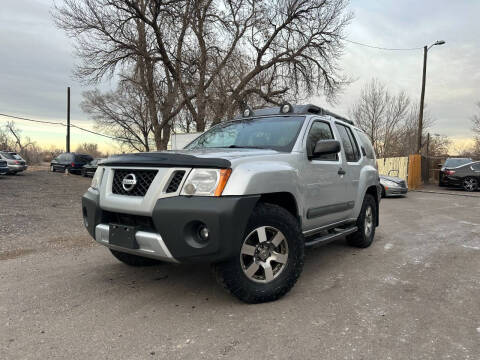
(286, 108)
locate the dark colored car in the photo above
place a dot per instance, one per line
(71, 162)
(451, 163)
(3, 167)
(466, 176)
(91, 167)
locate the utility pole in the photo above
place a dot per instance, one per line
(428, 158)
(422, 96)
(68, 120)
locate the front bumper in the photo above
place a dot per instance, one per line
(393, 191)
(172, 235)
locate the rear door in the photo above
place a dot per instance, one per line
(325, 187)
(353, 159)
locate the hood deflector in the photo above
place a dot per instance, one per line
(165, 159)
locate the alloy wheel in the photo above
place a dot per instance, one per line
(264, 254)
(368, 221)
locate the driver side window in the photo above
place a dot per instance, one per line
(320, 131)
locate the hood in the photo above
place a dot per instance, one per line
(391, 178)
(214, 158)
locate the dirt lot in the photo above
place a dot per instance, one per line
(415, 294)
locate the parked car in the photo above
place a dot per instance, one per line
(70, 162)
(451, 163)
(393, 186)
(465, 176)
(14, 161)
(3, 167)
(247, 195)
(90, 168)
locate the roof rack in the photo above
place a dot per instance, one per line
(286, 108)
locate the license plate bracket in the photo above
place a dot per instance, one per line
(123, 236)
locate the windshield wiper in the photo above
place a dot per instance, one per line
(244, 147)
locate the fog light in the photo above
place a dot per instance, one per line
(190, 189)
(204, 233)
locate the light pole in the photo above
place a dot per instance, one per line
(422, 97)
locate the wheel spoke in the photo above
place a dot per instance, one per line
(277, 239)
(267, 267)
(262, 234)
(248, 250)
(252, 269)
(279, 258)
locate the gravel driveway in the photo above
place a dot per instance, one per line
(414, 294)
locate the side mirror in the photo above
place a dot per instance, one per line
(326, 147)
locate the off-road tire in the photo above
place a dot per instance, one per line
(134, 260)
(231, 275)
(359, 238)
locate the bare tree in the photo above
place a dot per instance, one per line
(90, 149)
(123, 114)
(209, 56)
(389, 120)
(476, 130)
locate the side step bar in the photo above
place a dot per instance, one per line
(331, 236)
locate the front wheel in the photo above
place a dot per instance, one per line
(366, 223)
(269, 259)
(470, 184)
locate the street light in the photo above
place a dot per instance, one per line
(422, 97)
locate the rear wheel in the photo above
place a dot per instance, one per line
(134, 260)
(270, 257)
(470, 184)
(366, 223)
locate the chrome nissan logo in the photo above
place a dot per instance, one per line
(129, 182)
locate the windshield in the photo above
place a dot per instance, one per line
(457, 162)
(277, 133)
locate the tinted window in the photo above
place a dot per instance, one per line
(277, 133)
(8, 156)
(83, 158)
(367, 145)
(457, 162)
(476, 166)
(320, 131)
(350, 145)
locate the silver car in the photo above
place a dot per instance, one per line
(393, 186)
(14, 161)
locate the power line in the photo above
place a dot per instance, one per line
(63, 124)
(383, 48)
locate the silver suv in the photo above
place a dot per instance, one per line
(248, 196)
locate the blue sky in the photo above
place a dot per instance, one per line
(37, 59)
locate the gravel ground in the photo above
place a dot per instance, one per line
(414, 294)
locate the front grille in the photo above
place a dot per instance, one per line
(402, 184)
(144, 180)
(175, 182)
(143, 223)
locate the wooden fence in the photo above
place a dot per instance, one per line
(407, 167)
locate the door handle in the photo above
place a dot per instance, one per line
(341, 171)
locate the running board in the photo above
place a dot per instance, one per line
(340, 233)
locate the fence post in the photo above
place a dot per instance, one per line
(414, 171)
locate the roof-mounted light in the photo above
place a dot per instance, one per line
(247, 112)
(285, 108)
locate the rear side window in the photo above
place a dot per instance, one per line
(320, 131)
(367, 145)
(83, 158)
(476, 166)
(352, 152)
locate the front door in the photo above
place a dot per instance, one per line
(326, 197)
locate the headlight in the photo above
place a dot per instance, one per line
(390, 183)
(97, 178)
(206, 182)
